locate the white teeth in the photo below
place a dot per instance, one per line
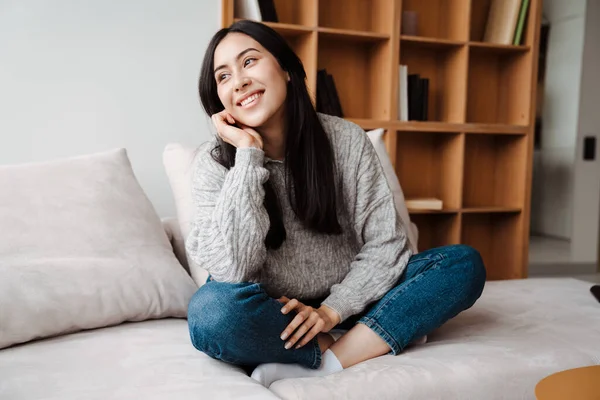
(250, 99)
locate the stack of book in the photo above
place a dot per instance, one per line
(506, 22)
(257, 10)
(328, 101)
(413, 96)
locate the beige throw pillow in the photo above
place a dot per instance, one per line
(81, 247)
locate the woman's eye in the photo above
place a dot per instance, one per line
(247, 61)
(222, 76)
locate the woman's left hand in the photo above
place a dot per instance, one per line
(308, 322)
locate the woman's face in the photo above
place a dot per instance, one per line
(250, 82)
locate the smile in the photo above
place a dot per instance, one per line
(250, 100)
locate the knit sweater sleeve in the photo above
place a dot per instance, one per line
(378, 229)
(231, 222)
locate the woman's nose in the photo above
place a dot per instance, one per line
(241, 83)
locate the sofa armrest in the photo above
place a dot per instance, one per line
(171, 226)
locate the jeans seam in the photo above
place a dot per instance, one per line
(382, 333)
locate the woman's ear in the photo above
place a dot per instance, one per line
(288, 76)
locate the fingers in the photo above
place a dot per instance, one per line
(253, 133)
(230, 119)
(315, 330)
(230, 133)
(303, 313)
(219, 121)
(283, 300)
(301, 333)
(301, 323)
(291, 304)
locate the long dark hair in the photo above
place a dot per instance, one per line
(309, 158)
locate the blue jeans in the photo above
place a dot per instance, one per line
(240, 324)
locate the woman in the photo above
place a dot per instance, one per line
(297, 227)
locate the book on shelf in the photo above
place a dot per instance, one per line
(417, 97)
(423, 203)
(518, 39)
(257, 10)
(328, 101)
(403, 93)
(506, 21)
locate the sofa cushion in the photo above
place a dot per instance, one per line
(81, 247)
(517, 333)
(178, 161)
(142, 360)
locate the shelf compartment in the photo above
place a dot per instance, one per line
(498, 238)
(368, 16)
(436, 230)
(305, 46)
(494, 171)
(298, 12)
(479, 15)
(361, 72)
(446, 19)
(445, 68)
(430, 165)
(499, 88)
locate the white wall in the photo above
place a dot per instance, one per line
(586, 185)
(552, 191)
(81, 76)
(566, 191)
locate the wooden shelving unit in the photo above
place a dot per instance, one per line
(475, 150)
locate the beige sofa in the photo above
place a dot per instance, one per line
(516, 334)
(94, 289)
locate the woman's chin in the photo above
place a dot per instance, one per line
(253, 121)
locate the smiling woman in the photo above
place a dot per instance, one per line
(296, 224)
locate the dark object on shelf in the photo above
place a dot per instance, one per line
(424, 99)
(267, 10)
(418, 97)
(333, 94)
(410, 23)
(328, 101)
(596, 291)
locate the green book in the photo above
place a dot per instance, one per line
(521, 23)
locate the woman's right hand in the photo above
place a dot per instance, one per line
(240, 138)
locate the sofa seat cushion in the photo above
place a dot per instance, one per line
(140, 360)
(516, 334)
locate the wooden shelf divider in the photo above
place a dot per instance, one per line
(348, 34)
(423, 41)
(475, 149)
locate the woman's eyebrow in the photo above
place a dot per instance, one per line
(237, 57)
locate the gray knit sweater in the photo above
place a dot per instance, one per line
(349, 270)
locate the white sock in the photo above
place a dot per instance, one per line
(271, 372)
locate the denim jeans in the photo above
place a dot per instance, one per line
(241, 324)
